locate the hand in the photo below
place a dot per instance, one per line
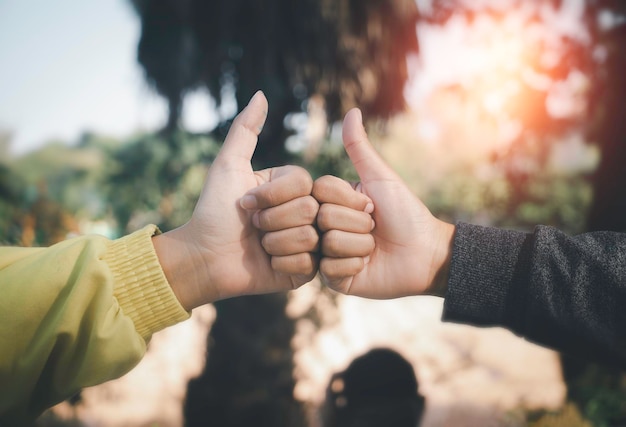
(408, 250)
(219, 253)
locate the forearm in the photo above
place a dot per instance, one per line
(564, 292)
(76, 314)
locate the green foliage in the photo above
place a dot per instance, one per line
(332, 160)
(599, 391)
(568, 416)
(47, 194)
(157, 178)
(10, 192)
(605, 407)
(44, 192)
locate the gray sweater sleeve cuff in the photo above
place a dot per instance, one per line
(565, 292)
(487, 267)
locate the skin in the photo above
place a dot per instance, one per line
(258, 234)
(406, 253)
(235, 245)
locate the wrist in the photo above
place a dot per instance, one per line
(183, 267)
(442, 258)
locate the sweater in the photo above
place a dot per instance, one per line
(76, 314)
(564, 292)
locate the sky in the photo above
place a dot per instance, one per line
(72, 67)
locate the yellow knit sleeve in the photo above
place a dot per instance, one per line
(76, 314)
(140, 284)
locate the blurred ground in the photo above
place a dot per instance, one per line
(469, 376)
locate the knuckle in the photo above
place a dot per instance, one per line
(269, 196)
(282, 264)
(303, 180)
(278, 263)
(321, 186)
(267, 242)
(330, 242)
(309, 236)
(324, 217)
(302, 263)
(309, 207)
(239, 124)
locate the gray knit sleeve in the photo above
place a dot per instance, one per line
(564, 292)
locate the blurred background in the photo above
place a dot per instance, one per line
(496, 112)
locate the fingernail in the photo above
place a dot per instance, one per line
(248, 202)
(255, 96)
(360, 114)
(369, 208)
(373, 224)
(366, 260)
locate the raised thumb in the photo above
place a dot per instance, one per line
(243, 134)
(366, 160)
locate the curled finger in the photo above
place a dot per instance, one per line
(294, 213)
(330, 189)
(336, 217)
(338, 273)
(342, 244)
(277, 186)
(291, 241)
(302, 264)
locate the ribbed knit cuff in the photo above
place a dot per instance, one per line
(141, 287)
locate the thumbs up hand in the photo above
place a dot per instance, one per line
(405, 251)
(251, 232)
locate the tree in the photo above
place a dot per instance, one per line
(607, 101)
(153, 178)
(348, 53)
(351, 52)
(248, 379)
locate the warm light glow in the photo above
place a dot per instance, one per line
(497, 69)
(503, 55)
(480, 85)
